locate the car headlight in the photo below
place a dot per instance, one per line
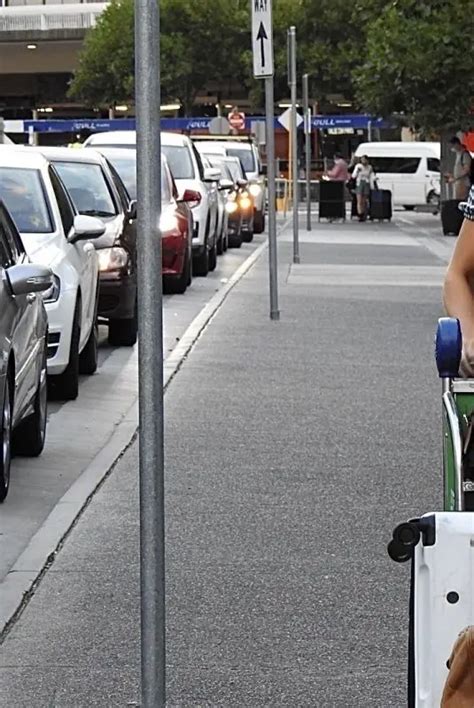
(231, 207)
(245, 202)
(255, 190)
(168, 222)
(52, 293)
(112, 259)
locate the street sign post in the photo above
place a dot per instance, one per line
(307, 140)
(294, 139)
(150, 355)
(262, 38)
(262, 43)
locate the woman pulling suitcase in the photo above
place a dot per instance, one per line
(364, 177)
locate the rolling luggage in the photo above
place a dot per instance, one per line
(451, 217)
(441, 548)
(380, 205)
(332, 200)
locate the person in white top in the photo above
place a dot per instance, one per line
(364, 177)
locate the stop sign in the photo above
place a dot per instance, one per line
(237, 121)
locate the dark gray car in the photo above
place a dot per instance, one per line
(23, 329)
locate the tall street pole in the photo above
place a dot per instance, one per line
(307, 141)
(294, 140)
(150, 355)
(272, 242)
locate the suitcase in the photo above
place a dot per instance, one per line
(451, 217)
(332, 200)
(441, 596)
(380, 204)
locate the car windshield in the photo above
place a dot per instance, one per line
(22, 191)
(179, 160)
(235, 171)
(126, 168)
(87, 188)
(245, 156)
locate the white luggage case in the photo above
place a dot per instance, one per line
(442, 597)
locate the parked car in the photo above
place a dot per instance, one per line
(56, 235)
(244, 198)
(245, 149)
(23, 347)
(176, 221)
(188, 171)
(96, 189)
(229, 192)
(222, 220)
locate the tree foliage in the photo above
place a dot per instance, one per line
(418, 61)
(411, 57)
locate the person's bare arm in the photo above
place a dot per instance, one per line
(457, 291)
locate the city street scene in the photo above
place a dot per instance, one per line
(237, 354)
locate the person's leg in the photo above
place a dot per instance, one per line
(360, 204)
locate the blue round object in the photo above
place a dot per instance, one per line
(448, 347)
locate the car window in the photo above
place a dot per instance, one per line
(179, 161)
(245, 156)
(125, 197)
(24, 195)
(126, 168)
(433, 164)
(64, 205)
(13, 238)
(87, 187)
(395, 165)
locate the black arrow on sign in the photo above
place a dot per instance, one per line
(262, 36)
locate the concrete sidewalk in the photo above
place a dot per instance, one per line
(293, 448)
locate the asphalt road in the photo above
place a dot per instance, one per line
(78, 430)
(292, 450)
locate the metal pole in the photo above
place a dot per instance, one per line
(307, 131)
(150, 324)
(2, 131)
(272, 242)
(369, 131)
(294, 142)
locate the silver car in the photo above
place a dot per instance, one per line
(23, 350)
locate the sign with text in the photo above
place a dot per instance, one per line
(262, 38)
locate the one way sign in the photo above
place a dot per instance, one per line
(262, 38)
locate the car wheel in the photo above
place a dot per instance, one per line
(190, 268)
(123, 333)
(6, 435)
(409, 207)
(88, 356)
(213, 258)
(66, 385)
(247, 236)
(178, 285)
(29, 436)
(235, 241)
(220, 245)
(201, 263)
(259, 222)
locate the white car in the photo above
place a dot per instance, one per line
(246, 151)
(56, 236)
(189, 173)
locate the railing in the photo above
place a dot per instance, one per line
(44, 18)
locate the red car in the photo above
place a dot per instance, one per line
(176, 219)
(177, 230)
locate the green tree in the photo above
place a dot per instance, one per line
(418, 62)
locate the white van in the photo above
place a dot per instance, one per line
(411, 170)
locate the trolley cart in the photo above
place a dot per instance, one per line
(332, 200)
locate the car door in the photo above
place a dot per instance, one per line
(81, 254)
(23, 315)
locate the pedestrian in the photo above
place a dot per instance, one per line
(458, 290)
(364, 177)
(340, 172)
(461, 175)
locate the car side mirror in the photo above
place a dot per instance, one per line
(29, 278)
(226, 184)
(190, 196)
(211, 174)
(242, 182)
(86, 228)
(132, 210)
